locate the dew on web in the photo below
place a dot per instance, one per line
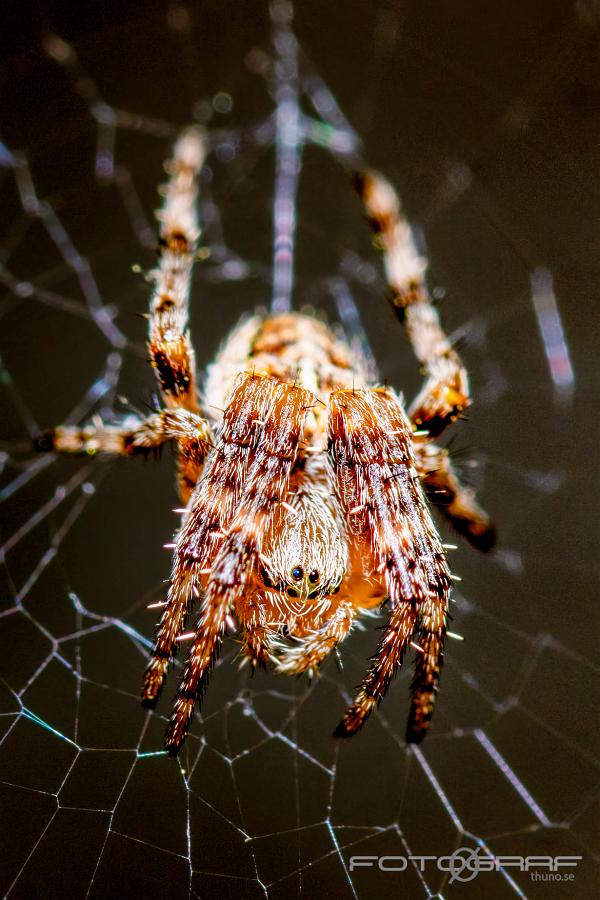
(262, 802)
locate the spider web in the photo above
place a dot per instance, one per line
(485, 121)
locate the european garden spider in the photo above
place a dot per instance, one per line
(304, 485)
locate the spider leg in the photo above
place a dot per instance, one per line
(386, 662)
(189, 430)
(211, 509)
(429, 637)
(445, 394)
(171, 351)
(281, 416)
(313, 647)
(454, 501)
(381, 496)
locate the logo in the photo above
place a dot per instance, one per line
(467, 863)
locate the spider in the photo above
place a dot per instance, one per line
(304, 485)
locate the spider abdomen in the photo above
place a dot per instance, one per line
(291, 347)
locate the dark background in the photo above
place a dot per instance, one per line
(487, 117)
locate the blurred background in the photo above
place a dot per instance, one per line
(487, 118)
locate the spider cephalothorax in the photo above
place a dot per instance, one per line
(305, 485)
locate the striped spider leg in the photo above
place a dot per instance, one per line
(445, 394)
(171, 354)
(376, 479)
(212, 507)
(454, 501)
(277, 411)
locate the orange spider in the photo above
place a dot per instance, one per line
(305, 497)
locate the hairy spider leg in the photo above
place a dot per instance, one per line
(445, 394)
(428, 636)
(188, 429)
(235, 566)
(211, 510)
(380, 492)
(171, 352)
(169, 342)
(456, 502)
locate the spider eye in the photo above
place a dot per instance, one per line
(292, 592)
(266, 580)
(297, 573)
(313, 577)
